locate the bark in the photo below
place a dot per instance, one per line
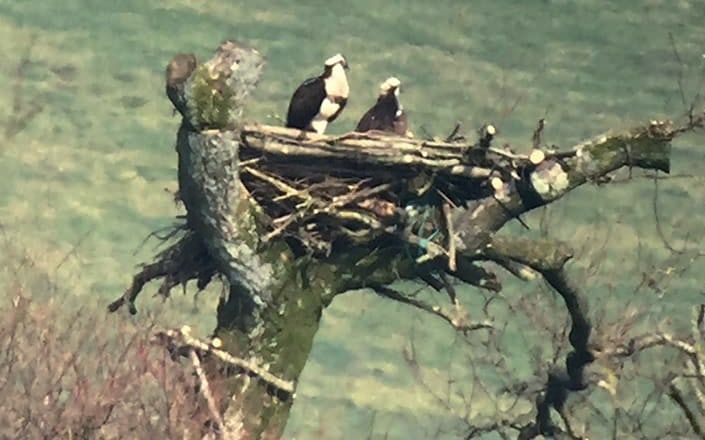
(277, 294)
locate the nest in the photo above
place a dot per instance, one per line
(321, 191)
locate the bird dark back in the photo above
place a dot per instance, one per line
(305, 103)
(381, 116)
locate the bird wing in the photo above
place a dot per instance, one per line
(381, 116)
(305, 103)
(342, 102)
(367, 121)
(401, 125)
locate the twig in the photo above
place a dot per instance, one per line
(679, 60)
(163, 234)
(458, 323)
(73, 249)
(659, 339)
(180, 338)
(349, 215)
(454, 133)
(355, 196)
(509, 212)
(677, 396)
(206, 392)
(659, 228)
(452, 265)
(432, 250)
(283, 187)
(284, 223)
(538, 131)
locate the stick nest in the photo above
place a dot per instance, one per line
(323, 191)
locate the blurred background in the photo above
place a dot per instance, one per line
(89, 169)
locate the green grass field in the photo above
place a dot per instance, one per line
(85, 182)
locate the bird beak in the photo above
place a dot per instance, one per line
(346, 66)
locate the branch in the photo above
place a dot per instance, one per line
(548, 258)
(560, 383)
(180, 341)
(206, 391)
(542, 255)
(677, 396)
(646, 146)
(578, 310)
(647, 341)
(692, 354)
(458, 320)
(181, 262)
(366, 150)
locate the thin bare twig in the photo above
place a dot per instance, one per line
(179, 338)
(458, 322)
(206, 389)
(677, 396)
(450, 232)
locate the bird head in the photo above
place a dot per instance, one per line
(336, 59)
(390, 85)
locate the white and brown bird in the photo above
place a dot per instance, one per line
(319, 101)
(387, 114)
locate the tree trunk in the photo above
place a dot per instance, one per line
(273, 310)
(279, 336)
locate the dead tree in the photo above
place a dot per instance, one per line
(289, 220)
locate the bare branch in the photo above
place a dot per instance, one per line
(178, 341)
(206, 391)
(185, 260)
(677, 396)
(458, 320)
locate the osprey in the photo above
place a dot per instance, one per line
(387, 114)
(318, 101)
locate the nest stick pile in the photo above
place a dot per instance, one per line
(355, 188)
(323, 190)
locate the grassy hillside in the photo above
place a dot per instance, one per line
(85, 181)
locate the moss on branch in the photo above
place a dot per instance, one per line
(646, 146)
(541, 255)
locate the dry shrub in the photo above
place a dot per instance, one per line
(82, 374)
